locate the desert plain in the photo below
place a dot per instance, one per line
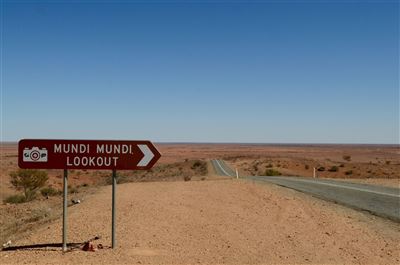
(181, 212)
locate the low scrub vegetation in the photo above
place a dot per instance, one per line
(164, 172)
(17, 198)
(72, 189)
(334, 169)
(29, 181)
(272, 172)
(347, 157)
(349, 172)
(50, 191)
(200, 167)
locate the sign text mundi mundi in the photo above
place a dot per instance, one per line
(108, 149)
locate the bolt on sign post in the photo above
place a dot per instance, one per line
(87, 154)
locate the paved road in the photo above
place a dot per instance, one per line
(222, 169)
(378, 200)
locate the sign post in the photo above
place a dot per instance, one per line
(87, 154)
(114, 186)
(65, 205)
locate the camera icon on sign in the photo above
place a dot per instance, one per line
(35, 155)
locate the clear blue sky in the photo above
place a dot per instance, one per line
(202, 72)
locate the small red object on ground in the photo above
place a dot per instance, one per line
(88, 247)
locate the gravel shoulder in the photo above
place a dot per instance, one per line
(214, 222)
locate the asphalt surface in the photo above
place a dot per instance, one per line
(378, 200)
(222, 169)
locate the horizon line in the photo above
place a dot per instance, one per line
(233, 143)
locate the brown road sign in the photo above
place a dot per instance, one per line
(86, 154)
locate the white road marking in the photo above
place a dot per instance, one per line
(347, 187)
(226, 173)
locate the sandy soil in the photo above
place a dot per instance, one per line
(224, 221)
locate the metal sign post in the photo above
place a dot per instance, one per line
(65, 205)
(114, 185)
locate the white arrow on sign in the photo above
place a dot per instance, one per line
(148, 155)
